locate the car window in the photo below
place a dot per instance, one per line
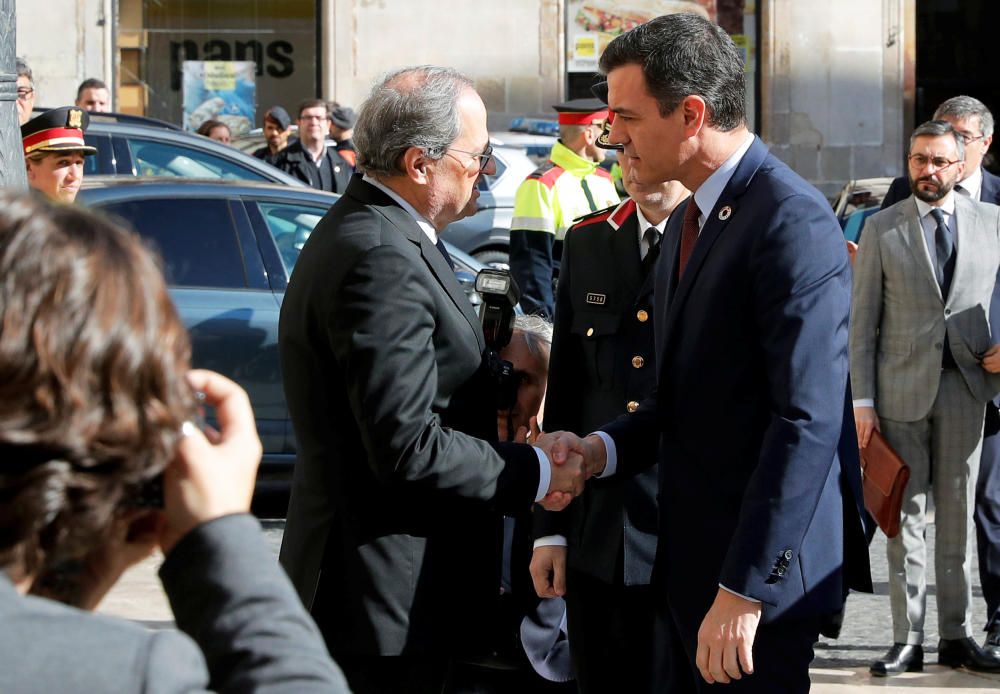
(290, 226)
(169, 159)
(196, 239)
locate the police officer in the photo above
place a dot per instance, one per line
(570, 184)
(602, 365)
(54, 150)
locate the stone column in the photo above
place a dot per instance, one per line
(11, 154)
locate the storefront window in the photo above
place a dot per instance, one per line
(592, 24)
(157, 36)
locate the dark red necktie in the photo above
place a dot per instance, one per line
(689, 236)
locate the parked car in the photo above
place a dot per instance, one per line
(858, 200)
(140, 147)
(486, 234)
(228, 249)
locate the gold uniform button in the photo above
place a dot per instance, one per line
(632, 406)
(642, 316)
(590, 332)
(637, 362)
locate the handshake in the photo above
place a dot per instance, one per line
(573, 461)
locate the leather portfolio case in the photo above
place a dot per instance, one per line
(884, 476)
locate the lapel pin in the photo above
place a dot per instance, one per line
(725, 213)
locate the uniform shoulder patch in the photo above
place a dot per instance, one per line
(547, 174)
(615, 216)
(594, 217)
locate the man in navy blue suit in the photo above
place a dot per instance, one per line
(760, 521)
(974, 124)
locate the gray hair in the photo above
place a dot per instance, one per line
(537, 332)
(410, 107)
(965, 107)
(939, 128)
(23, 70)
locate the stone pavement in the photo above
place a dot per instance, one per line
(841, 666)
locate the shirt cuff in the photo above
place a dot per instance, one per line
(544, 474)
(740, 595)
(612, 455)
(864, 402)
(550, 541)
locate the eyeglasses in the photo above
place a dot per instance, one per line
(314, 117)
(920, 161)
(969, 138)
(24, 92)
(484, 157)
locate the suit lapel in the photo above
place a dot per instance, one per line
(370, 195)
(913, 234)
(990, 191)
(710, 232)
(967, 226)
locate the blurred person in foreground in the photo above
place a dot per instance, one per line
(93, 95)
(400, 484)
(25, 91)
(96, 401)
(277, 128)
(215, 130)
(760, 531)
(54, 151)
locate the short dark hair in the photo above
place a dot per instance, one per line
(312, 103)
(91, 83)
(684, 54)
(208, 126)
(93, 389)
(939, 128)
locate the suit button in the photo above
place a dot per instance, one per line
(590, 332)
(632, 406)
(788, 554)
(947, 312)
(780, 571)
(637, 362)
(642, 316)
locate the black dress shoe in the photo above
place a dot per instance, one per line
(992, 644)
(966, 653)
(900, 658)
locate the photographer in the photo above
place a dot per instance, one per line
(96, 403)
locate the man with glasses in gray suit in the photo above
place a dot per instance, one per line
(923, 366)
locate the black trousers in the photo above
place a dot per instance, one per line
(782, 653)
(987, 516)
(610, 634)
(373, 674)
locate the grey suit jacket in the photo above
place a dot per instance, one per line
(244, 630)
(899, 320)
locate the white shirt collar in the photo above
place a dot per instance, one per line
(421, 221)
(708, 193)
(645, 223)
(974, 183)
(947, 206)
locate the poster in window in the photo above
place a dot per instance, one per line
(223, 90)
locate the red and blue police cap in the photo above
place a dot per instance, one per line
(581, 112)
(57, 130)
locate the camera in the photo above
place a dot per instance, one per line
(500, 295)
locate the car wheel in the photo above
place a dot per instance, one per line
(493, 258)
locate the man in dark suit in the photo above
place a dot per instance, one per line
(603, 364)
(308, 158)
(974, 124)
(760, 532)
(394, 523)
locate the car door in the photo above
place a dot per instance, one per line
(219, 285)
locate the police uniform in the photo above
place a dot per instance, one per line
(58, 130)
(602, 366)
(565, 187)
